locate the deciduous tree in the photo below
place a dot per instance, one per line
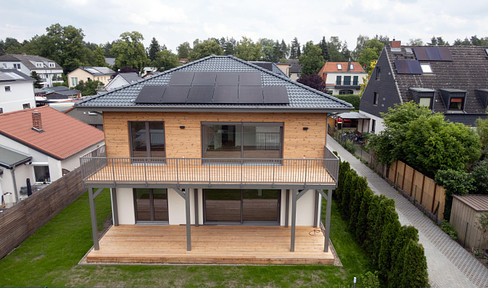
(129, 51)
(204, 49)
(311, 59)
(247, 50)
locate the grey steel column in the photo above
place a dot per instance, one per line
(115, 209)
(188, 223)
(327, 220)
(293, 218)
(287, 208)
(316, 210)
(93, 213)
(195, 195)
(16, 193)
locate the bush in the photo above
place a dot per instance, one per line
(369, 280)
(449, 229)
(353, 99)
(456, 183)
(414, 272)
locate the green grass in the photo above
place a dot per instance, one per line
(50, 257)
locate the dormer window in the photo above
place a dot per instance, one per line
(424, 97)
(39, 64)
(426, 69)
(425, 102)
(339, 66)
(454, 99)
(52, 65)
(456, 104)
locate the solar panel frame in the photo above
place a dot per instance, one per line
(151, 95)
(249, 78)
(275, 95)
(226, 94)
(176, 94)
(181, 78)
(204, 78)
(251, 94)
(201, 94)
(408, 67)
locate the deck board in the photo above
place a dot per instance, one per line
(210, 245)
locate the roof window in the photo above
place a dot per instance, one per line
(408, 50)
(426, 68)
(339, 66)
(351, 67)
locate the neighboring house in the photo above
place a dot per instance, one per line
(285, 67)
(93, 118)
(449, 79)
(52, 140)
(56, 95)
(342, 78)
(215, 141)
(122, 79)
(49, 71)
(102, 74)
(16, 91)
(269, 66)
(295, 69)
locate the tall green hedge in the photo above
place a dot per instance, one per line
(393, 248)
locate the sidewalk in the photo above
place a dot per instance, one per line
(448, 263)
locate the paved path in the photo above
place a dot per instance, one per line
(448, 263)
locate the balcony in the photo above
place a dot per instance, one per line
(101, 171)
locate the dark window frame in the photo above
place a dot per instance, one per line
(148, 139)
(355, 80)
(376, 98)
(378, 73)
(347, 80)
(152, 212)
(338, 80)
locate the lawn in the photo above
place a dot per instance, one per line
(50, 258)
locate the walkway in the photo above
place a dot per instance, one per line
(448, 263)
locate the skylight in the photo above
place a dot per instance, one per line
(339, 66)
(351, 67)
(426, 68)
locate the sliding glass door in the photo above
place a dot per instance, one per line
(151, 205)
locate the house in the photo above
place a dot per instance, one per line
(295, 69)
(223, 147)
(449, 79)
(55, 95)
(48, 70)
(122, 79)
(92, 118)
(45, 143)
(285, 67)
(102, 74)
(342, 78)
(16, 91)
(269, 66)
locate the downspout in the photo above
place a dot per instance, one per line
(12, 171)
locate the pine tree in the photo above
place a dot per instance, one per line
(154, 48)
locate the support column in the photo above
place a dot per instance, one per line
(115, 209)
(16, 192)
(316, 210)
(327, 220)
(195, 194)
(188, 223)
(287, 207)
(93, 214)
(293, 218)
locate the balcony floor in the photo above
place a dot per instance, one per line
(211, 245)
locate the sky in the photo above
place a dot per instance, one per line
(174, 22)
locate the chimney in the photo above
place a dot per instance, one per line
(36, 121)
(395, 44)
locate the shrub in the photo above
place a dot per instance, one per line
(414, 272)
(456, 183)
(369, 280)
(449, 229)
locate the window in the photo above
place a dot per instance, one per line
(41, 174)
(373, 126)
(17, 66)
(351, 67)
(147, 139)
(355, 80)
(346, 92)
(1, 110)
(151, 205)
(456, 103)
(425, 102)
(338, 80)
(7, 88)
(39, 65)
(426, 68)
(378, 73)
(347, 80)
(376, 95)
(74, 81)
(26, 106)
(339, 66)
(242, 140)
(51, 65)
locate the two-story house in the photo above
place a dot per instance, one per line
(102, 74)
(342, 78)
(122, 79)
(48, 70)
(452, 80)
(215, 161)
(16, 91)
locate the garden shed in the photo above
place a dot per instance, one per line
(464, 217)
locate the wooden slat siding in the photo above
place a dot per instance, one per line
(210, 245)
(462, 214)
(23, 219)
(187, 142)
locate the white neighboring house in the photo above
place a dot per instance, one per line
(16, 91)
(52, 140)
(49, 71)
(122, 79)
(343, 78)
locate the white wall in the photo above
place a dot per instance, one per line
(21, 92)
(125, 206)
(22, 172)
(117, 82)
(73, 162)
(379, 126)
(305, 209)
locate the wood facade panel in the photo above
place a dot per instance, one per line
(297, 144)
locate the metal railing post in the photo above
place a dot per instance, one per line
(113, 171)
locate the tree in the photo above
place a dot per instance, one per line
(99, 57)
(12, 46)
(165, 60)
(295, 49)
(204, 49)
(437, 41)
(64, 44)
(184, 50)
(37, 82)
(414, 272)
(325, 49)
(313, 81)
(311, 59)
(335, 49)
(2, 47)
(415, 42)
(482, 130)
(88, 88)
(129, 51)
(284, 49)
(154, 48)
(247, 50)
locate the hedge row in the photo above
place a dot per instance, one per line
(372, 219)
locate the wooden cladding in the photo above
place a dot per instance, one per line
(297, 142)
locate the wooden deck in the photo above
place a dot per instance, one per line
(210, 245)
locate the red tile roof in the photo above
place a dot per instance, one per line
(332, 67)
(62, 136)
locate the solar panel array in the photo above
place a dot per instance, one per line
(408, 67)
(432, 54)
(213, 88)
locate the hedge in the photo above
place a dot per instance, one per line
(372, 219)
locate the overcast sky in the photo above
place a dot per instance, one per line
(174, 22)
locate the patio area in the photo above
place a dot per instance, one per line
(211, 245)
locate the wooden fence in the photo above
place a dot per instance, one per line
(24, 218)
(420, 189)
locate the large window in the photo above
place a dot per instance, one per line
(147, 139)
(242, 140)
(74, 81)
(355, 80)
(41, 174)
(347, 80)
(456, 103)
(338, 80)
(151, 205)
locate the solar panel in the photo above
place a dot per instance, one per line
(227, 78)
(181, 78)
(445, 54)
(176, 94)
(201, 94)
(151, 95)
(250, 78)
(275, 95)
(204, 78)
(432, 53)
(250, 94)
(225, 95)
(408, 67)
